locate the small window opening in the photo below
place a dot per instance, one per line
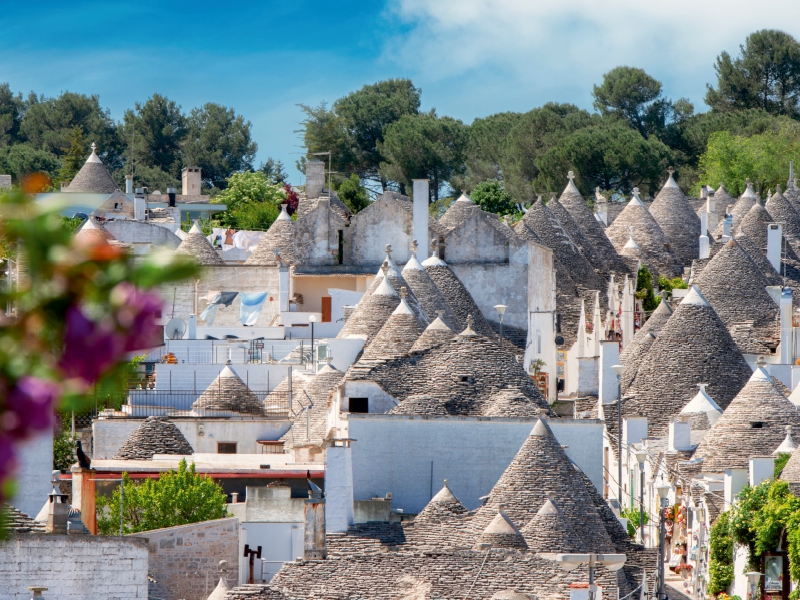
(757, 425)
(340, 253)
(359, 405)
(226, 447)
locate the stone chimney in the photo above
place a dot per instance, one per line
(139, 205)
(57, 512)
(314, 547)
(420, 211)
(315, 178)
(705, 249)
(191, 180)
(774, 241)
(727, 223)
(83, 496)
(787, 343)
(128, 184)
(679, 435)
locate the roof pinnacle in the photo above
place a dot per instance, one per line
(403, 292)
(670, 171)
(389, 249)
(570, 175)
(414, 247)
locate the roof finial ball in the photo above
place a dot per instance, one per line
(389, 249)
(94, 148)
(385, 267)
(670, 171)
(470, 321)
(570, 175)
(414, 247)
(403, 292)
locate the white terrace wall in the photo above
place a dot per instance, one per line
(34, 473)
(83, 567)
(184, 560)
(110, 434)
(136, 231)
(410, 456)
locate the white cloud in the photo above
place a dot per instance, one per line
(557, 44)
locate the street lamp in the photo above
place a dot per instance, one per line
(569, 562)
(618, 369)
(753, 578)
(501, 310)
(312, 319)
(641, 456)
(663, 494)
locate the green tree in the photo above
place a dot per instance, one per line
(720, 566)
(152, 178)
(534, 133)
(484, 149)
(355, 126)
(74, 156)
(765, 75)
(22, 159)
(219, 142)
(635, 97)
(353, 194)
(175, 498)
(252, 202)
(667, 285)
(764, 158)
(274, 170)
(492, 197)
(608, 154)
(644, 289)
(12, 108)
(423, 146)
(48, 124)
(153, 133)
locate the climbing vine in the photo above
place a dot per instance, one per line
(720, 567)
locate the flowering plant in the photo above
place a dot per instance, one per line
(76, 307)
(683, 567)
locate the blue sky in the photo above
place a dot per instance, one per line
(471, 58)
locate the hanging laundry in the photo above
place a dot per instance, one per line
(251, 307)
(209, 314)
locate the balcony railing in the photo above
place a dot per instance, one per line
(175, 403)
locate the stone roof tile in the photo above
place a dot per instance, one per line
(678, 221)
(155, 435)
(195, 244)
(280, 237)
(228, 394)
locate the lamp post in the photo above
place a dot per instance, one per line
(753, 578)
(568, 562)
(663, 495)
(501, 310)
(641, 456)
(312, 319)
(618, 369)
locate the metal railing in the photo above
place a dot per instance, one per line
(176, 403)
(218, 352)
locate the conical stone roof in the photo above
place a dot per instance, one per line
(702, 411)
(575, 232)
(754, 225)
(502, 533)
(318, 390)
(280, 237)
(782, 210)
(397, 336)
(678, 221)
(759, 258)
(722, 199)
(649, 237)
(92, 232)
(443, 507)
(736, 289)
(740, 208)
(692, 347)
(371, 313)
(398, 281)
(541, 220)
(787, 445)
(541, 466)
(550, 532)
(228, 394)
(430, 297)
(656, 321)
(457, 296)
(458, 212)
(753, 424)
(420, 405)
(434, 335)
(572, 200)
(93, 178)
(195, 244)
(791, 473)
(156, 435)
(512, 403)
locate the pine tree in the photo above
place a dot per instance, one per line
(74, 157)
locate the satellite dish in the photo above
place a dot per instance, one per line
(175, 329)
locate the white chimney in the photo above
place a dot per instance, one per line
(705, 249)
(774, 241)
(735, 480)
(680, 437)
(192, 327)
(634, 430)
(283, 288)
(191, 181)
(602, 206)
(420, 213)
(609, 356)
(761, 469)
(128, 184)
(139, 205)
(787, 343)
(315, 178)
(727, 223)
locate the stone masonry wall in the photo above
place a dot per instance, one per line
(184, 560)
(73, 567)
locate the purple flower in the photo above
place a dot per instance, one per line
(32, 401)
(137, 316)
(8, 464)
(90, 348)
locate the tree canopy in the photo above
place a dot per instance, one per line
(175, 498)
(253, 202)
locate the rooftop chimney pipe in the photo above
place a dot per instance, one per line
(774, 240)
(171, 193)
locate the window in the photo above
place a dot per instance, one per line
(359, 405)
(340, 252)
(226, 447)
(757, 424)
(538, 342)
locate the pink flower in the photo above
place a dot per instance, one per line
(31, 402)
(7, 462)
(90, 349)
(137, 316)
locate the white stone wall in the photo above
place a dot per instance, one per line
(34, 472)
(110, 434)
(383, 222)
(137, 231)
(190, 377)
(73, 567)
(471, 452)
